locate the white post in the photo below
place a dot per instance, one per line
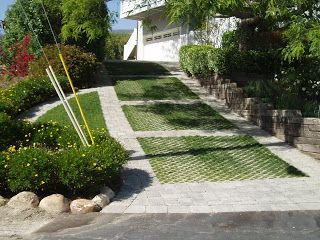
(84, 141)
(68, 105)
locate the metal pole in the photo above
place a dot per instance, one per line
(67, 103)
(65, 106)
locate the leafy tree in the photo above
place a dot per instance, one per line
(294, 21)
(301, 20)
(86, 24)
(17, 26)
(114, 45)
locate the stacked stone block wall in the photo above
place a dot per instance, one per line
(288, 125)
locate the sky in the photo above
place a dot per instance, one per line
(113, 5)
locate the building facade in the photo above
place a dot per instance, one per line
(155, 39)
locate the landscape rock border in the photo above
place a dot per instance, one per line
(57, 203)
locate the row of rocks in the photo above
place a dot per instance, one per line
(57, 203)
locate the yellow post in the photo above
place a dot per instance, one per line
(76, 97)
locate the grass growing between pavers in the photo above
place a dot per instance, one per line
(153, 89)
(161, 117)
(91, 105)
(199, 159)
(135, 68)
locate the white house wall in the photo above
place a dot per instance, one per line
(164, 43)
(222, 25)
(140, 47)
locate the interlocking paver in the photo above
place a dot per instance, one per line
(135, 209)
(211, 197)
(157, 209)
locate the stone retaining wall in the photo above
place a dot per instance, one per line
(288, 125)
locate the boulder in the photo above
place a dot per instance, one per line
(3, 201)
(82, 206)
(107, 191)
(55, 204)
(24, 200)
(101, 199)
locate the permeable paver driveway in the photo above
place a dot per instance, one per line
(192, 174)
(175, 117)
(153, 89)
(199, 159)
(135, 68)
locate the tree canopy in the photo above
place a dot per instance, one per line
(85, 23)
(296, 20)
(17, 26)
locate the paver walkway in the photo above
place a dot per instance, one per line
(142, 192)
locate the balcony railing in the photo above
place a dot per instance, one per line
(130, 8)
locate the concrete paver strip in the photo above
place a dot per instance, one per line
(185, 133)
(150, 102)
(143, 193)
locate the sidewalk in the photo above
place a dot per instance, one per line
(142, 192)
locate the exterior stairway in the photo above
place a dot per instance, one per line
(130, 49)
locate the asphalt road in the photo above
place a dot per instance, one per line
(227, 226)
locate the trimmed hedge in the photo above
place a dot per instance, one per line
(203, 60)
(184, 58)
(81, 65)
(27, 93)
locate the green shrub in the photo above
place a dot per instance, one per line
(3, 171)
(230, 41)
(11, 131)
(43, 135)
(204, 60)
(77, 169)
(31, 169)
(276, 93)
(262, 89)
(217, 61)
(86, 168)
(81, 65)
(115, 45)
(49, 135)
(68, 138)
(53, 136)
(194, 59)
(184, 58)
(27, 93)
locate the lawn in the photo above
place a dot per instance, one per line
(135, 68)
(199, 159)
(160, 117)
(153, 89)
(90, 103)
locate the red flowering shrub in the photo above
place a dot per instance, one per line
(21, 57)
